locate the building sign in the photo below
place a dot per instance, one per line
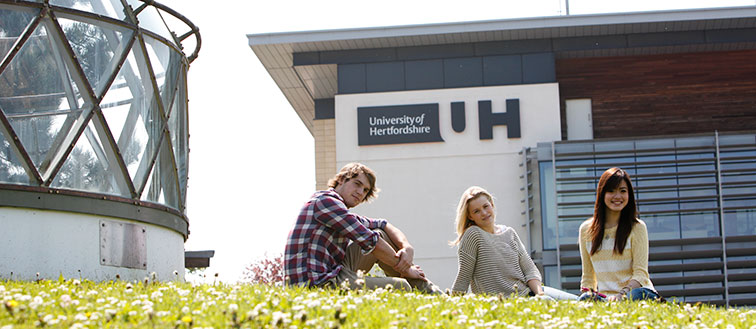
(397, 124)
(419, 123)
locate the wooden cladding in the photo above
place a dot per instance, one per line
(667, 94)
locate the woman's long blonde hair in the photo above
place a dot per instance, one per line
(463, 221)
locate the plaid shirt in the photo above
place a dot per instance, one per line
(316, 245)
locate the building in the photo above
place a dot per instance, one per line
(93, 139)
(534, 110)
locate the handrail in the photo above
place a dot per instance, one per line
(178, 39)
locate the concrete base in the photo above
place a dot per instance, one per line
(54, 243)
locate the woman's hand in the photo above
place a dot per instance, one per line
(614, 298)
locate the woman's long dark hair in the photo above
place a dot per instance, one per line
(610, 180)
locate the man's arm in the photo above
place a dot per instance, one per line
(385, 254)
(406, 252)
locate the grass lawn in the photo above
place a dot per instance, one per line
(84, 304)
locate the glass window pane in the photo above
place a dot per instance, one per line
(746, 139)
(662, 226)
(110, 8)
(87, 167)
(740, 222)
(96, 47)
(179, 130)
(11, 168)
(568, 230)
(39, 98)
(548, 204)
(12, 25)
(151, 20)
(162, 186)
(700, 225)
(136, 127)
(166, 64)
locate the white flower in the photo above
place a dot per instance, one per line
(65, 300)
(80, 317)
(233, 307)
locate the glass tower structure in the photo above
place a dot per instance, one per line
(93, 108)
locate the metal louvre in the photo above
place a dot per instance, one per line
(691, 191)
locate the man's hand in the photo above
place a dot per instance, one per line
(414, 272)
(404, 259)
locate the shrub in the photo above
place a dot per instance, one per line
(266, 270)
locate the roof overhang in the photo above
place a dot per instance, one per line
(638, 33)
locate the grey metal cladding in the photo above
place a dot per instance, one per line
(538, 68)
(502, 70)
(351, 78)
(358, 56)
(308, 58)
(325, 109)
(512, 47)
(666, 39)
(384, 76)
(435, 52)
(734, 35)
(590, 43)
(463, 72)
(424, 74)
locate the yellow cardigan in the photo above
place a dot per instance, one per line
(607, 271)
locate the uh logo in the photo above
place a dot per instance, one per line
(419, 123)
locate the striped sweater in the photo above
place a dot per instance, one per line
(609, 272)
(494, 263)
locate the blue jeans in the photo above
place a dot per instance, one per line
(635, 294)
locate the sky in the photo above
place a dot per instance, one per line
(251, 160)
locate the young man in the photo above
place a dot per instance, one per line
(329, 244)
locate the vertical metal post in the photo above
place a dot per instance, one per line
(567, 7)
(722, 219)
(556, 210)
(526, 200)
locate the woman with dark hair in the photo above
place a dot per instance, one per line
(614, 244)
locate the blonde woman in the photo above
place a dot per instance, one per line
(492, 258)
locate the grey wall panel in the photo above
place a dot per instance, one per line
(424, 74)
(512, 47)
(590, 43)
(538, 68)
(358, 56)
(435, 52)
(308, 58)
(502, 70)
(735, 35)
(351, 78)
(325, 109)
(384, 76)
(463, 72)
(665, 39)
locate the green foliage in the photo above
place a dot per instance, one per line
(85, 304)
